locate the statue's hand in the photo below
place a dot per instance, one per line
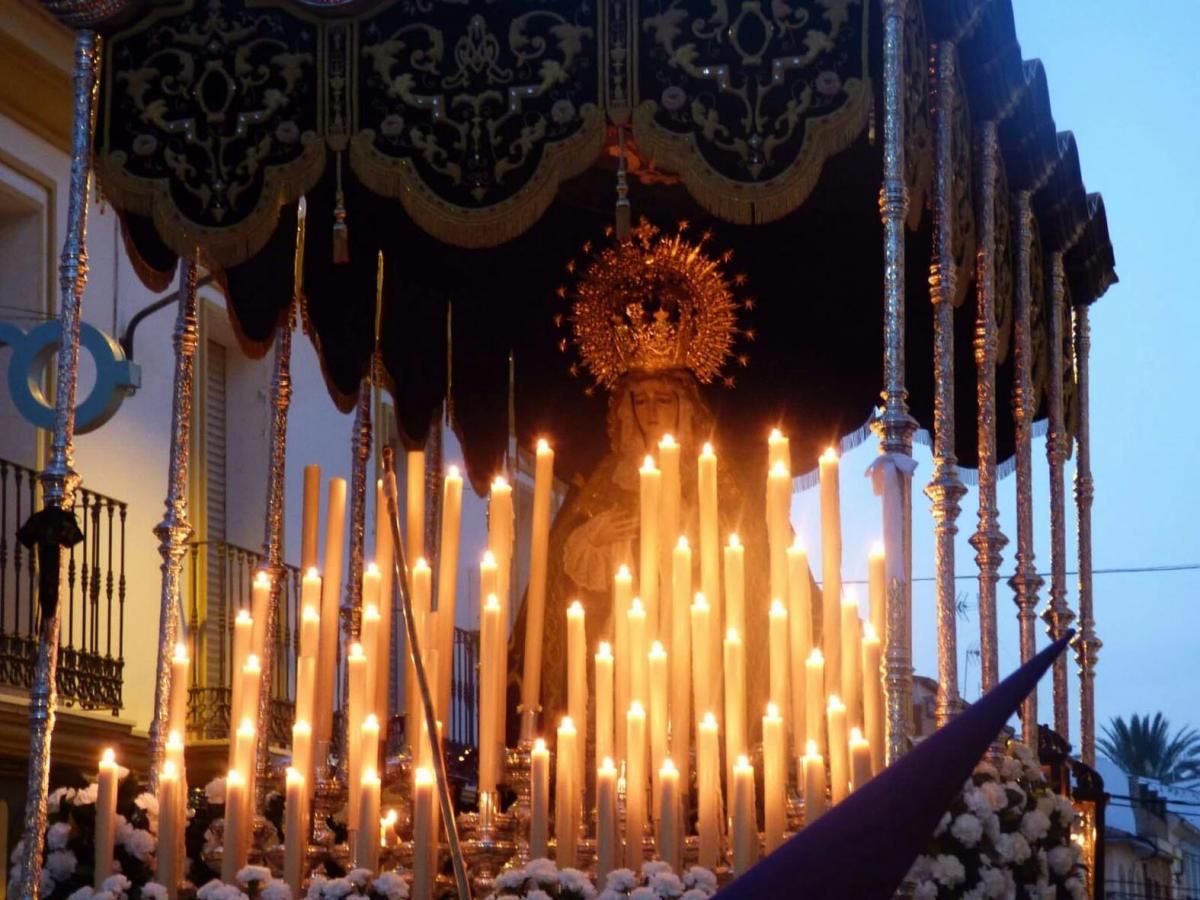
(615, 529)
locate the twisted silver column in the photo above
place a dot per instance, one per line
(1087, 645)
(1057, 614)
(59, 479)
(1025, 582)
(174, 529)
(945, 489)
(987, 540)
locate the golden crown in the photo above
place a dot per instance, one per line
(654, 302)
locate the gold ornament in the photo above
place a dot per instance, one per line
(654, 302)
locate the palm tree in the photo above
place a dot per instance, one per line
(1146, 748)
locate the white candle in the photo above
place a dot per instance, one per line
(170, 838)
(778, 450)
(106, 815)
(368, 636)
(331, 588)
(860, 760)
(577, 699)
(779, 663)
(657, 664)
(302, 760)
(622, 659)
(356, 680)
(489, 714)
(177, 716)
(420, 577)
(500, 539)
(310, 515)
(539, 543)
(735, 699)
(423, 839)
(650, 489)
(669, 504)
(873, 695)
(635, 785)
(639, 688)
(447, 584)
(735, 585)
(839, 750)
(567, 797)
(774, 778)
(800, 637)
(710, 551)
(369, 737)
(236, 827)
(384, 564)
(877, 587)
(414, 497)
(251, 687)
(260, 598)
(310, 614)
(852, 662)
(670, 831)
(814, 783)
(295, 842)
(245, 746)
(708, 782)
(604, 701)
(745, 824)
(779, 529)
(539, 800)
(367, 846)
(681, 653)
(243, 628)
(814, 698)
(606, 819)
(704, 695)
(306, 688)
(831, 570)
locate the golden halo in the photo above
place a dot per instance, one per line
(654, 302)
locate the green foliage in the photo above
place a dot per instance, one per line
(1145, 747)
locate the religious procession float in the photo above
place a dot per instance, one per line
(678, 254)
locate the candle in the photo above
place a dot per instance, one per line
(310, 514)
(535, 603)
(567, 796)
(414, 497)
(251, 688)
(657, 661)
(306, 688)
(310, 614)
(423, 840)
(422, 599)
(831, 570)
(774, 778)
(669, 503)
(177, 715)
(852, 662)
(245, 745)
(606, 819)
(368, 636)
(604, 701)
(860, 760)
(814, 697)
(800, 637)
(294, 839)
(681, 652)
(170, 839)
(622, 597)
(367, 846)
(539, 800)
(877, 587)
(356, 692)
(236, 827)
(708, 783)
(302, 760)
(710, 561)
(387, 829)
(635, 785)
(735, 699)
(489, 721)
(577, 699)
(702, 674)
(778, 450)
(814, 783)
(650, 489)
(500, 540)
(385, 565)
(174, 752)
(369, 736)
(779, 639)
(779, 528)
(735, 585)
(839, 750)
(243, 627)
(745, 823)
(331, 588)
(260, 597)
(670, 830)
(873, 695)
(638, 676)
(178, 807)
(106, 814)
(447, 585)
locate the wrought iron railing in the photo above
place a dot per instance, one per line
(91, 657)
(219, 585)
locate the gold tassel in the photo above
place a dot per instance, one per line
(341, 233)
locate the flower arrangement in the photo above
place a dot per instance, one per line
(68, 869)
(256, 883)
(1007, 835)
(540, 879)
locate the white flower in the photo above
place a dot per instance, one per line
(1076, 889)
(942, 825)
(666, 884)
(314, 888)
(1064, 809)
(152, 890)
(694, 894)
(210, 890)
(537, 894)
(991, 827)
(214, 791)
(61, 864)
(148, 803)
(276, 889)
(390, 885)
(653, 867)
(138, 843)
(1004, 848)
(975, 893)
(948, 870)
(992, 881)
(103, 895)
(511, 880)
(620, 881)
(1012, 787)
(967, 830)
(250, 874)
(84, 893)
(542, 871)
(642, 893)
(57, 836)
(977, 801)
(57, 796)
(359, 877)
(987, 770)
(606, 894)
(1022, 753)
(995, 794)
(1034, 825)
(926, 890)
(575, 881)
(1061, 860)
(1010, 769)
(1045, 805)
(701, 878)
(117, 885)
(1021, 849)
(86, 795)
(337, 888)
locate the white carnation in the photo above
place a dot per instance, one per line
(694, 894)
(926, 890)
(666, 884)
(152, 890)
(1035, 825)
(214, 791)
(148, 803)
(87, 795)
(57, 796)
(61, 864)
(995, 794)
(84, 893)
(943, 824)
(1061, 860)
(542, 871)
(139, 844)
(537, 894)
(701, 878)
(948, 870)
(359, 877)
(210, 890)
(337, 888)
(103, 895)
(577, 882)
(1021, 849)
(621, 881)
(640, 893)
(987, 770)
(511, 880)
(57, 836)
(117, 885)
(315, 887)
(993, 882)
(653, 867)
(391, 885)
(276, 889)
(967, 830)
(1076, 888)
(250, 874)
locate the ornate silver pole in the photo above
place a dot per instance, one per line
(946, 488)
(1087, 645)
(1057, 614)
(281, 399)
(59, 479)
(174, 530)
(1026, 581)
(895, 426)
(987, 540)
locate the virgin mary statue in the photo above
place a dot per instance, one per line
(654, 321)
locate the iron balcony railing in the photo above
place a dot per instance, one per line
(91, 658)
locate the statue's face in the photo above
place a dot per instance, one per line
(656, 407)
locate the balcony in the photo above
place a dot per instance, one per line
(91, 658)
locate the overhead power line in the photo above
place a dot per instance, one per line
(1126, 570)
